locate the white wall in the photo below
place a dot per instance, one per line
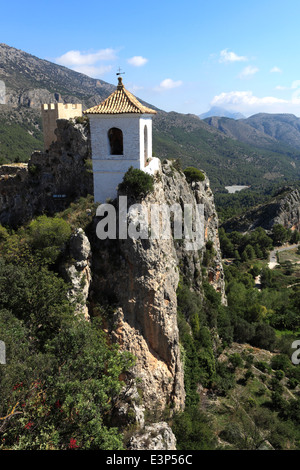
(109, 169)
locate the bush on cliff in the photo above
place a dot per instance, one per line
(136, 183)
(193, 174)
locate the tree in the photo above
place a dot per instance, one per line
(192, 430)
(264, 336)
(37, 297)
(279, 234)
(266, 278)
(136, 183)
(250, 252)
(193, 174)
(295, 237)
(47, 236)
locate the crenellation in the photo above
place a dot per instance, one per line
(53, 111)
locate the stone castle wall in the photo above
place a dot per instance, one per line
(53, 111)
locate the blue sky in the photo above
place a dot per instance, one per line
(182, 56)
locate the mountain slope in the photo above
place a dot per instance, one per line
(285, 128)
(225, 160)
(31, 81)
(283, 209)
(276, 132)
(20, 133)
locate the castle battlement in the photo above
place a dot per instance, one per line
(53, 111)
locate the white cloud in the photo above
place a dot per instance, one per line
(137, 61)
(229, 56)
(244, 98)
(93, 71)
(134, 88)
(275, 70)
(248, 103)
(295, 84)
(248, 72)
(89, 63)
(84, 58)
(168, 84)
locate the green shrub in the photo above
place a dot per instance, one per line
(136, 183)
(193, 431)
(47, 235)
(235, 360)
(193, 174)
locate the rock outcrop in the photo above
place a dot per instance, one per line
(177, 190)
(158, 436)
(51, 180)
(77, 272)
(139, 277)
(283, 209)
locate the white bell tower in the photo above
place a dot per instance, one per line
(121, 136)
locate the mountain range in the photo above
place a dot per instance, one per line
(253, 151)
(267, 131)
(221, 112)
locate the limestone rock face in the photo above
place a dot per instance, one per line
(196, 194)
(283, 209)
(78, 273)
(158, 436)
(142, 275)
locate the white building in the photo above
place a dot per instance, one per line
(121, 136)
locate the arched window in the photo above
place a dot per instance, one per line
(115, 137)
(145, 146)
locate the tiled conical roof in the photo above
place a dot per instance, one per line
(120, 102)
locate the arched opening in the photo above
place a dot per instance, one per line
(115, 137)
(145, 146)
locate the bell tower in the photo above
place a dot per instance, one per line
(121, 136)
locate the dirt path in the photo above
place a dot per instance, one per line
(273, 259)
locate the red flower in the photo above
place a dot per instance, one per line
(28, 425)
(18, 385)
(72, 444)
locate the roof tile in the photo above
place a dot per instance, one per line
(119, 102)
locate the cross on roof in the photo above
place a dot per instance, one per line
(119, 72)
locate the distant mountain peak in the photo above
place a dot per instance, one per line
(221, 112)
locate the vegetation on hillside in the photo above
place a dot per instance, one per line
(242, 387)
(226, 161)
(61, 381)
(20, 134)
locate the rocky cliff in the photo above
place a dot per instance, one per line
(283, 209)
(138, 278)
(51, 180)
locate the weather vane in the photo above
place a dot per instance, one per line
(119, 72)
